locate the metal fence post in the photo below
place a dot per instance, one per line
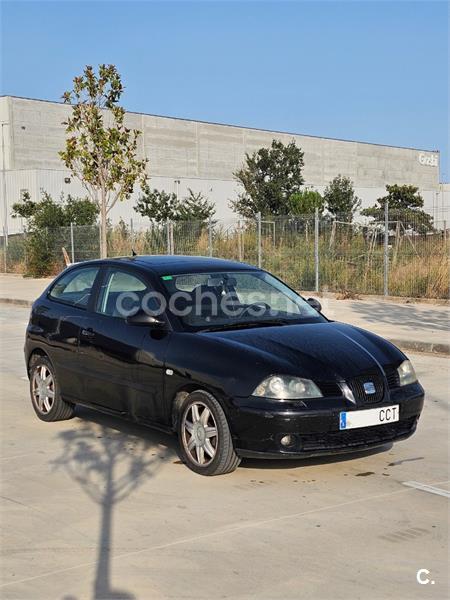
(239, 241)
(210, 237)
(386, 249)
(131, 234)
(316, 248)
(72, 249)
(258, 216)
(168, 235)
(172, 244)
(5, 248)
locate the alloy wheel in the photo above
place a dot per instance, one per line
(199, 433)
(43, 389)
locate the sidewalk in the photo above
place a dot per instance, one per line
(21, 290)
(414, 326)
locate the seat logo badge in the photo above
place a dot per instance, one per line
(369, 387)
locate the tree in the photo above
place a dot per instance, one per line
(99, 459)
(46, 213)
(44, 220)
(159, 206)
(405, 205)
(306, 202)
(103, 157)
(195, 207)
(270, 176)
(341, 199)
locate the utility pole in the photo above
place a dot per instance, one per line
(5, 201)
(386, 249)
(177, 188)
(72, 246)
(316, 248)
(258, 216)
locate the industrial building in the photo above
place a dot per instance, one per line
(202, 156)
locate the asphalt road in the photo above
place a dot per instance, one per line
(96, 507)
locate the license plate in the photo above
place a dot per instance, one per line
(353, 419)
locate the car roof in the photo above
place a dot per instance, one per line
(179, 264)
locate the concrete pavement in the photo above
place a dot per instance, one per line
(412, 326)
(21, 290)
(96, 507)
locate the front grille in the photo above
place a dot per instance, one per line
(357, 437)
(333, 389)
(360, 393)
(330, 389)
(392, 377)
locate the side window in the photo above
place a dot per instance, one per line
(75, 287)
(121, 294)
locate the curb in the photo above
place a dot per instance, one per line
(425, 347)
(16, 302)
(408, 345)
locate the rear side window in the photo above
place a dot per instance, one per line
(121, 294)
(75, 287)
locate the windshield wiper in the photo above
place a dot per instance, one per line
(244, 324)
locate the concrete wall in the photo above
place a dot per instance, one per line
(199, 155)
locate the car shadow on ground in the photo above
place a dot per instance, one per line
(406, 316)
(168, 444)
(109, 458)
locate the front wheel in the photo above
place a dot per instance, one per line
(205, 441)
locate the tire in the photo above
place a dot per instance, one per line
(206, 446)
(48, 406)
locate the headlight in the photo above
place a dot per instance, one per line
(284, 387)
(406, 373)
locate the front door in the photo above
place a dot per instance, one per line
(65, 314)
(123, 363)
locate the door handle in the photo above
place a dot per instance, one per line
(87, 333)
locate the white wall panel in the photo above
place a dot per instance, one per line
(199, 155)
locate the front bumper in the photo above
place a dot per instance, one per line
(258, 424)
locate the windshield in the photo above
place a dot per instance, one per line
(233, 299)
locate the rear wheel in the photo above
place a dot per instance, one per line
(44, 391)
(205, 440)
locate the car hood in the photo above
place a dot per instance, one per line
(322, 351)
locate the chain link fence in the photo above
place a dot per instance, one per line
(395, 255)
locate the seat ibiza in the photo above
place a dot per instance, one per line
(223, 354)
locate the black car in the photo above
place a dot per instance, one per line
(222, 353)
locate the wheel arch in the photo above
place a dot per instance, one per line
(182, 393)
(35, 353)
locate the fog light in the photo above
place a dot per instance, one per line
(287, 440)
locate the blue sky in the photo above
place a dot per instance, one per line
(372, 71)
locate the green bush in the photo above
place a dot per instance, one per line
(46, 220)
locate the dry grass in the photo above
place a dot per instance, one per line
(426, 277)
(348, 295)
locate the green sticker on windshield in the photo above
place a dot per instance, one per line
(167, 277)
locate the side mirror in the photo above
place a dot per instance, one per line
(142, 318)
(315, 304)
